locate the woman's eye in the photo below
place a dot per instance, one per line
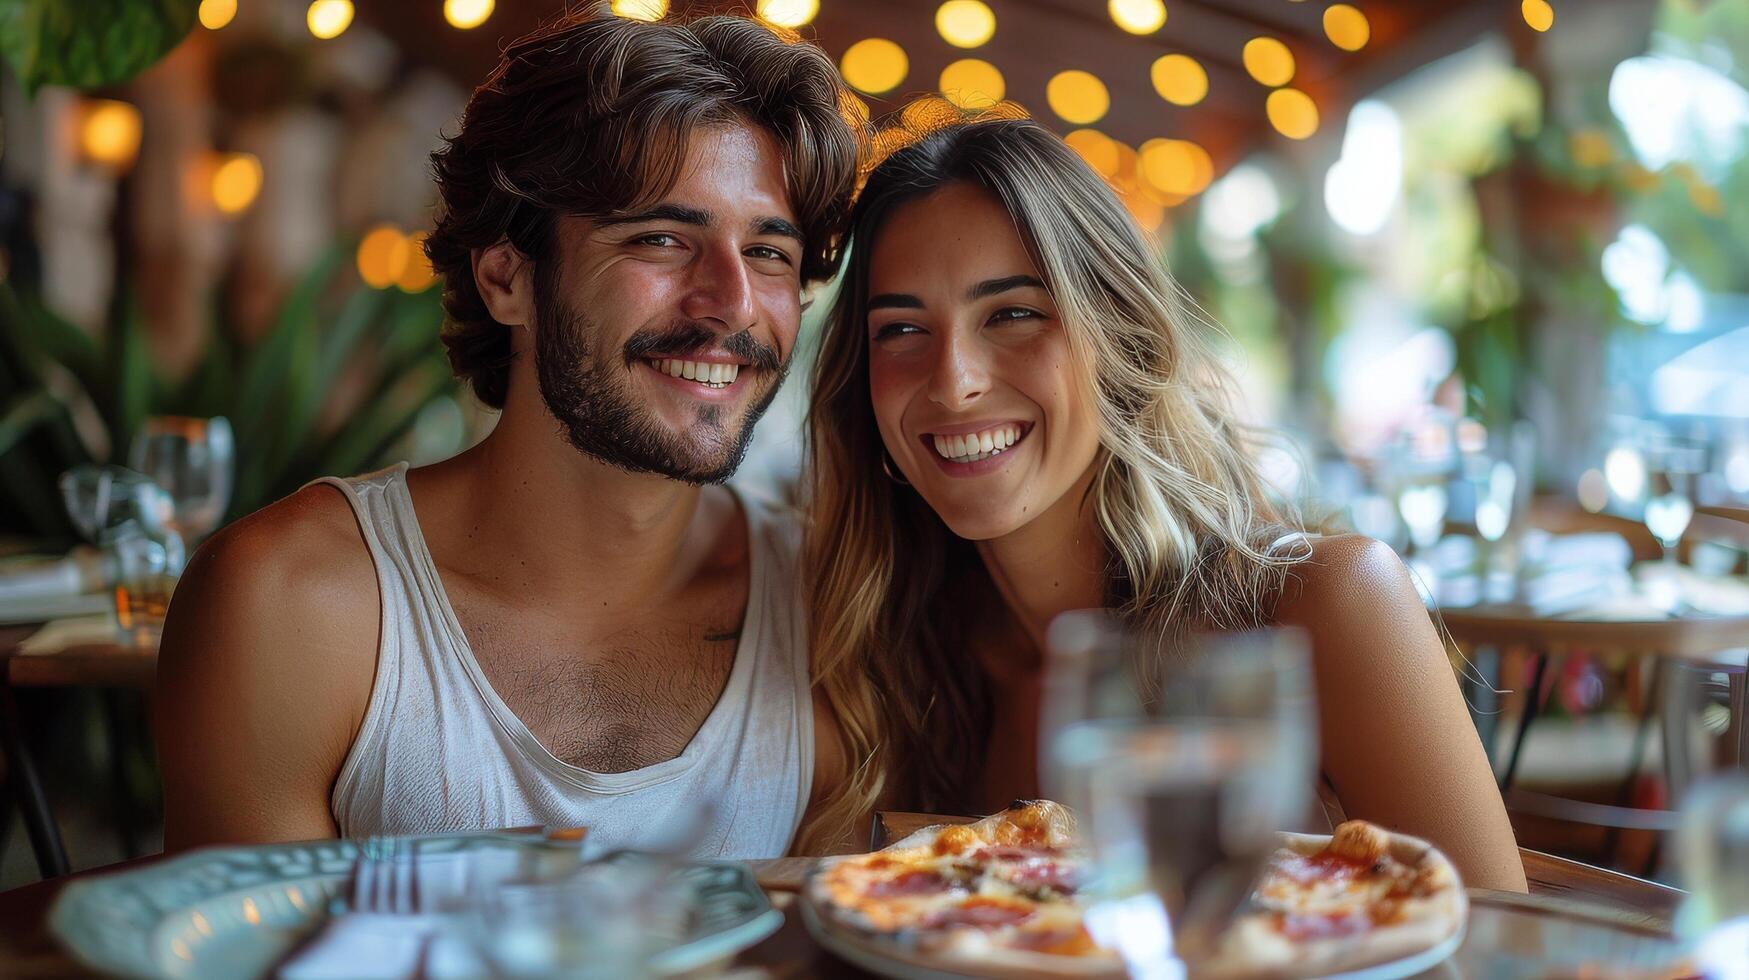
(893, 330)
(1012, 313)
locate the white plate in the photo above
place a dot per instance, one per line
(237, 911)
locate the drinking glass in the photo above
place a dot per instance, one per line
(1713, 857)
(127, 516)
(604, 919)
(191, 459)
(1181, 765)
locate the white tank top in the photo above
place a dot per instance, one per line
(439, 751)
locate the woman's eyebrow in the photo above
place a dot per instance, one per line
(895, 301)
(991, 287)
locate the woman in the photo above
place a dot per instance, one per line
(1015, 414)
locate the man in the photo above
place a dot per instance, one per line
(573, 623)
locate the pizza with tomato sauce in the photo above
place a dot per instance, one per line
(1002, 897)
(1361, 897)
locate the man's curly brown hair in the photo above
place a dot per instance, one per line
(590, 116)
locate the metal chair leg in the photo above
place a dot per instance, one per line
(1738, 734)
(1532, 708)
(1637, 758)
(119, 727)
(27, 789)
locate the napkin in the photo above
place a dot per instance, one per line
(380, 946)
(435, 940)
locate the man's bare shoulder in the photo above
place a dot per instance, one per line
(297, 569)
(271, 639)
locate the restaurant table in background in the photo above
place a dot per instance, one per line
(1675, 645)
(77, 654)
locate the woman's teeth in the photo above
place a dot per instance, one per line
(977, 445)
(709, 375)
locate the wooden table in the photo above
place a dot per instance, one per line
(1560, 922)
(1676, 646)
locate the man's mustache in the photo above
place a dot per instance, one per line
(683, 339)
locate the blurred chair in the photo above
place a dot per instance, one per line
(1678, 670)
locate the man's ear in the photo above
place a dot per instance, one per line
(504, 278)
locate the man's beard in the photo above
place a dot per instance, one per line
(601, 416)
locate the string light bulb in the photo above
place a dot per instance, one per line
(965, 23)
(1346, 27)
(1137, 16)
(109, 133)
(787, 13)
(874, 65)
(1538, 14)
(383, 255)
(646, 10)
(329, 18)
(215, 14)
(973, 84)
(1078, 97)
(1292, 113)
(465, 15)
(1269, 61)
(236, 182)
(1179, 79)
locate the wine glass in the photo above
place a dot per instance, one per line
(1180, 764)
(191, 459)
(1668, 509)
(1423, 506)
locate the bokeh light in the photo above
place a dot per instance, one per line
(236, 182)
(788, 13)
(1099, 150)
(1179, 79)
(1346, 27)
(874, 65)
(1078, 97)
(329, 18)
(1178, 168)
(1292, 113)
(965, 23)
(1269, 61)
(650, 10)
(109, 133)
(418, 276)
(383, 256)
(1538, 14)
(215, 14)
(1137, 16)
(972, 84)
(467, 14)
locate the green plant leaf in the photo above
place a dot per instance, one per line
(374, 429)
(89, 43)
(134, 383)
(262, 387)
(23, 415)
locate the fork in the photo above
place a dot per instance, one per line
(385, 877)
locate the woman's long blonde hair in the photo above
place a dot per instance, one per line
(1184, 514)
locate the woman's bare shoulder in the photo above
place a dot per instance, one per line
(1344, 576)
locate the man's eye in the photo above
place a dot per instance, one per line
(659, 239)
(767, 252)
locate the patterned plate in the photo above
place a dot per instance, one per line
(237, 911)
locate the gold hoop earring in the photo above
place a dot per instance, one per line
(887, 467)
